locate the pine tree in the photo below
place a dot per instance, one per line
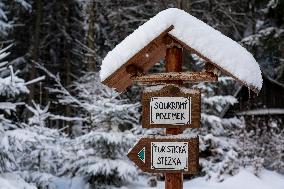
(5, 25)
(266, 42)
(106, 120)
(219, 149)
(261, 145)
(261, 137)
(44, 151)
(50, 33)
(11, 86)
(109, 117)
(13, 89)
(109, 22)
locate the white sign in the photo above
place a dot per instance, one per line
(170, 110)
(169, 155)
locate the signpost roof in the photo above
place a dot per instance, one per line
(147, 45)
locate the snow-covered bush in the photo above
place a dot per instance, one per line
(226, 144)
(219, 150)
(34, 143)
(10, 87)
(39, 115)
(40, 147)
(100, 154)
(262, 144)
(101, 157)
(4, 23)
(105, 109)
(44, 152)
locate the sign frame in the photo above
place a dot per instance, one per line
(172, 91)
(145, 164)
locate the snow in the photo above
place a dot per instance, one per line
(268, 111)
(25, 4)
(244, 180)
(24, 135)
(210, 43)
(109, 167)
(13, 181)
(179, 136)
(12, 85)
(7, 106)
(154, 88)
(69, 183)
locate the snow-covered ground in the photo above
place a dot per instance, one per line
(13, 181)
(243, 180)
(67, 183)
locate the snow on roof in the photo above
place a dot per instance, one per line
(210, 43)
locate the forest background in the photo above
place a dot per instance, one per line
(57, 120)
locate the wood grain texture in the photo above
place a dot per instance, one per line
(172, 91)
(143, 60)
(174, 181)
(174, 64)
(193, 150)
(185, 77)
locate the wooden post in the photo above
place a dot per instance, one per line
(174, 64)
(174, 59)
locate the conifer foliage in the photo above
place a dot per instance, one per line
(218, 148)
(68, 126)
(105, 122)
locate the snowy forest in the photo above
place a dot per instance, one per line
(61, 128)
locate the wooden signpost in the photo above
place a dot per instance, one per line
(172, 107)
(167, 103)
(166, 154)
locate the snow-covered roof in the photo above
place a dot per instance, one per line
(220, 50)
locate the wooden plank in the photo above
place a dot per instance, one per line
(143, 60)
(149, 154)
(174, 181)
(157, 105)
(185, 77)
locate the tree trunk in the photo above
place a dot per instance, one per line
(90, 59)
(35, 50)
(67, 58)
